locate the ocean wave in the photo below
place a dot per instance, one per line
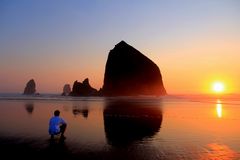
(226, 99)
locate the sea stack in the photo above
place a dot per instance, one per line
(30, 88)
(83, 89)
(66, 90)
(130, 73)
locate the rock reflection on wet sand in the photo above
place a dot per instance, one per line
(139, 129)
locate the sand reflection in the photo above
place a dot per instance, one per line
(219, 110)
(80, 111)
(219, 152)
(29, 107)
(126, 122)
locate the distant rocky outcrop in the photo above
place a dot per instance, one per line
(66, 90)
(130, 73)
(83, 89)
(30, 88)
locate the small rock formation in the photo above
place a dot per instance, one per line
(83, 89)
(30, 88)
(66, 90)
(130, 73)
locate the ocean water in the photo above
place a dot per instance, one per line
(180, 127)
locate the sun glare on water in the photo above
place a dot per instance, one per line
(219, 108)
(218, 87)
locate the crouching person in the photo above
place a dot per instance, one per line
(57, 125)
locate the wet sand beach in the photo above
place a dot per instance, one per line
(170, 127)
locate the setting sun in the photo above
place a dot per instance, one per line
(218, 87)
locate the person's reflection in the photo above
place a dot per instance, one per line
(80, 111)
(126, 122)
(29, 107)
(57, 149)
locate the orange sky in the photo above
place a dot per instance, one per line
(193, 43)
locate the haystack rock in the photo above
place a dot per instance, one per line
(66, 90)
(83, 89)
(130, 73)
(30, 88)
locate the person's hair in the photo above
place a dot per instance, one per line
(56, 113)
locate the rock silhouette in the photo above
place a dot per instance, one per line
(30, 88)
(83, 89)
(66, 90)
(130, 73)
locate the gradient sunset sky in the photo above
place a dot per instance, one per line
(194, 42)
